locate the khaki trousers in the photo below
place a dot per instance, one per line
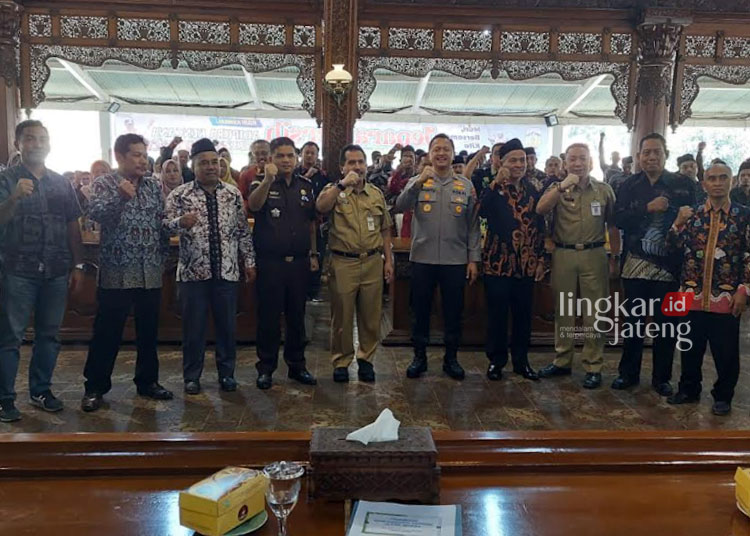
(587, 270)
(356, 286)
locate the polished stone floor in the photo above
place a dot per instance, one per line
(434, 400)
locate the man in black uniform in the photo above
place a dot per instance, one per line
(283, 205)
(309, 170)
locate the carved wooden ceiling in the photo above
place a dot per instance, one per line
(511, 39)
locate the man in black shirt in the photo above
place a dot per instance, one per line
(283, 205)
(310, 171)
(647, 204)
(618, 179)
(41, 243)
(533, 175)
(741, 193)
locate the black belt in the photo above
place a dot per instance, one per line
(580, 247)
(285, 258)
(357, 255)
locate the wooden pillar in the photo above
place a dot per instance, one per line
(10, 22)
(340, 46)
(658, 42)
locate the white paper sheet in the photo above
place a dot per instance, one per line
(390, 519)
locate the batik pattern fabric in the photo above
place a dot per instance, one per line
(195, 243)
(514, 245)
(134, 243)
(715, 245)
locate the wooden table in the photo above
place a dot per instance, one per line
(552, 483)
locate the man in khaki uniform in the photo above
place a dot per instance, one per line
(359, 237)
(584, 209)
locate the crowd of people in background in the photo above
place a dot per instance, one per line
(491, 213)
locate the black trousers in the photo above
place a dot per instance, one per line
(504, 294)
(722, 332)
(313, 290)
(282, 288)
(113, 308)
(197, 298)
(424, 279)
(663, 347)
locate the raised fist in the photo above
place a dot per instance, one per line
(271, 170)
(187, 221)
(126, 189)
(569, 181)
(658, 204)
(24, 188)
(683, 216)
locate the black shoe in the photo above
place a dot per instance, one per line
(47, 401)
(452, 368)
(721, 408)
(192, 387)
(553, 370)
(264, 381)
(341, 374)
(155, 391)
(592, 380)
(302, 376)
(228, 384)
(664, 388)
(418, 365)
(494, 372)
(621, 383)
(91, 402)
(8, 411)
(365, 372)
(527, 372)
(682, 398)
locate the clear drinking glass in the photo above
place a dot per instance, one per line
(284, 482)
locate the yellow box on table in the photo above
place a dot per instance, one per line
(742, 488)
(219, 503)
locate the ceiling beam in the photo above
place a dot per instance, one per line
(86, 81)
(583, 92)
(421, 88)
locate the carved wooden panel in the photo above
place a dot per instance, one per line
(688, 90)
(150, 58)
(10, 21)
(516, 70)
(149, 41)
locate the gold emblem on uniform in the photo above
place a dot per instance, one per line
(429, 183)
(427, 197)
(427, 207)
(458, 209)
(303, 192)
(458, 185)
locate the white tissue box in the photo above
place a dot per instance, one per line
(401, 470)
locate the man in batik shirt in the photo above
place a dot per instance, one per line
(715, 242)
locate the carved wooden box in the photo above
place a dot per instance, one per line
(403, 470)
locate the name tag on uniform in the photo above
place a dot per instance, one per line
(596, 208)
(370, 223)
